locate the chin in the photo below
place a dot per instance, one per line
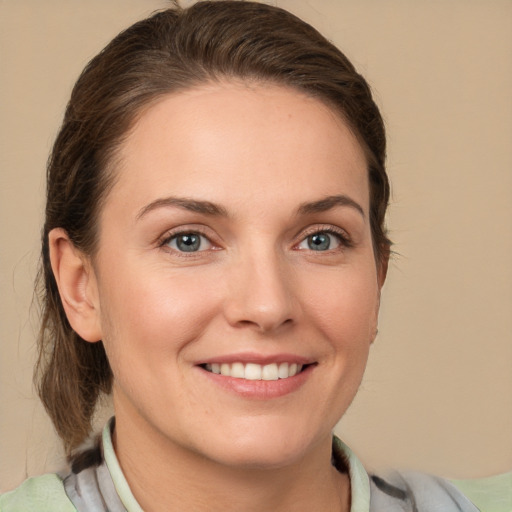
(259, 459)
(267, 447)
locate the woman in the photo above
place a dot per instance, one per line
(213, 254)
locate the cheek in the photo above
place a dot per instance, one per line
(345, 304)
(161, 313)
(343, 307)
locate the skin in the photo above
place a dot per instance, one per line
(259, 153)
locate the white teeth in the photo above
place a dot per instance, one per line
(237, 370)
(253, 371)
(270, 372)
(283, 371)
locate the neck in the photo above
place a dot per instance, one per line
(161, 473)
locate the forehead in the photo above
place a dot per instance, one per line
(233, 140)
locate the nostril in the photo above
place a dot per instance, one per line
(266, 325)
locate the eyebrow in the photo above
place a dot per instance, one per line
(193, 205)
(329, 202)
(209, 208)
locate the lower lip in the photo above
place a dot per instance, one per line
(260, 389)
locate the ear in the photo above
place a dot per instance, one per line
(382, 271)
(77, 285)
(382, 268)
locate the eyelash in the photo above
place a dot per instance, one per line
(341, 235)
(170, 236)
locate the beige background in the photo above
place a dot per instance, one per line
(438, 392)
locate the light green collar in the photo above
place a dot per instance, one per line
(120, 483)
(359, 480)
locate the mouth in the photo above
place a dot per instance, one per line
(254, 371)
(256, 376)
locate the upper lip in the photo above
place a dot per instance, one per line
(252, 357)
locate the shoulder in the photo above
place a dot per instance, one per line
(493, 493)
(42, 493)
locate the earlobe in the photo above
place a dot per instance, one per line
(375, 323)
(382, 271)
(77, 285)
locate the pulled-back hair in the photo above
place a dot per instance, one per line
(173, 50)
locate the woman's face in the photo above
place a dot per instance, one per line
(237, 239)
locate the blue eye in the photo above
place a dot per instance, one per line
(321, 241)
(188, 242)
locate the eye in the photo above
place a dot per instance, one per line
(188, 242)
(321, 241)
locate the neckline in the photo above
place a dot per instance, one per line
(343, 458)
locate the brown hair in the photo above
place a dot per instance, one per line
(173, 50)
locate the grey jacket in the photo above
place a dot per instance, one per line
(91, 489)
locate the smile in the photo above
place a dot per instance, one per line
(253, 371)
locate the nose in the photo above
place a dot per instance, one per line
(260, 293)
